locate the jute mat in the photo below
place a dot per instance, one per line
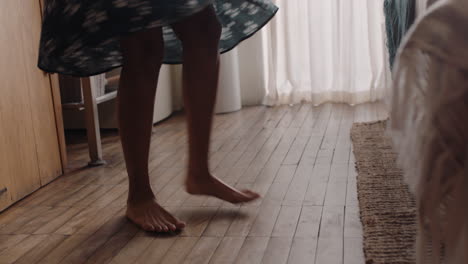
(388, 211)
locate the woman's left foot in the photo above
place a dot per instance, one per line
(213, 186)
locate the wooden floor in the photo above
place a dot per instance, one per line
(298, 157)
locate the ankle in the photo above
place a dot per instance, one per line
(198, 165)
(139, 195)
(198, 174)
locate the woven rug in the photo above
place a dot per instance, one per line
(388, 210)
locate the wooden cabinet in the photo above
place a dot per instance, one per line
(31, 133)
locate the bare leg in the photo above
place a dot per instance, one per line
(142, 61)
(200, 37)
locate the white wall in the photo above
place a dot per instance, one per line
(251, 74)
(252, 79)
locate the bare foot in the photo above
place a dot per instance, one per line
(213, 186)
(150, 216)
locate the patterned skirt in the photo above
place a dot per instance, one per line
(81, 37)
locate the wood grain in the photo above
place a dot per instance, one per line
(298, 158)
(31, 155)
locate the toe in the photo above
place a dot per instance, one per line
(158, 228)
(170, 225)
(164, 227)
(152, 217)
(163, 224)
(251, 195)
(180, 225)
(147, 227)
(156, 224)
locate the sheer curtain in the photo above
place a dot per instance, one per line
(326, 51)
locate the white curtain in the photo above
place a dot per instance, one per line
(421, 6)
(248, 66)
(314, 51)
(326, 51)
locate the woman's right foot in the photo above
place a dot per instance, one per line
(150, 216)
(212, 186)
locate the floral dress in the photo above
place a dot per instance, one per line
(81, 37)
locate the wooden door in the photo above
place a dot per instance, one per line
(30, 149)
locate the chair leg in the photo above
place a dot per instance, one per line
(92, 123)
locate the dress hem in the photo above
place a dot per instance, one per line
(163, 62)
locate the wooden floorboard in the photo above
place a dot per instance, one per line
(299, 158)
